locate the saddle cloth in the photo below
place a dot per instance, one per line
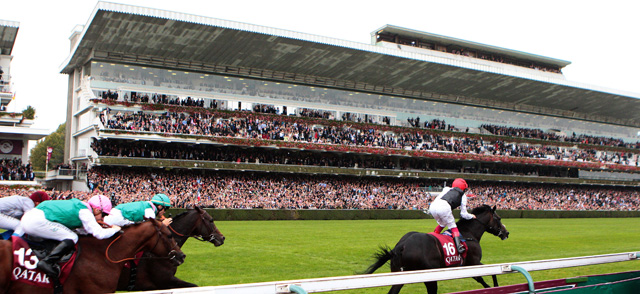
(24, 268)
(449, 250)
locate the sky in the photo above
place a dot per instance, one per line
(599, 38)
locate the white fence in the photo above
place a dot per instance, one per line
(388, 279)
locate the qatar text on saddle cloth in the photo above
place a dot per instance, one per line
(24, 267)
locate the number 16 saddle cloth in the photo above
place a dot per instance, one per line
(449, 250)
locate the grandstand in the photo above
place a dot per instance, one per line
(15, 128)
(170, 92)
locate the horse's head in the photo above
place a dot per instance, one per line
(206, 229)
(196, 223)
(488, 216)
(159, 241)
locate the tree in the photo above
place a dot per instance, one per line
(55, 140)
(29, 112)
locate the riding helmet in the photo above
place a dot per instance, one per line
(39, 196)
(460, 184)
(161, 199)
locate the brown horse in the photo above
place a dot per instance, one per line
(98, 266)
(420, 251)
(156, 274)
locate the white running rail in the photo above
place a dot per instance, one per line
(388, 279)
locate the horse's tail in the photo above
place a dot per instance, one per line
(383, 255)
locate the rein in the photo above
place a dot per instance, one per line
(174, 231)
(106, 253)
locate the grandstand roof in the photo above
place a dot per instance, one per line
(8, 33)
(444, 40)
(145, 36)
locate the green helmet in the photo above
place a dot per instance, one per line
(161, 199)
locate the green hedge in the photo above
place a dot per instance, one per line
(337, 214)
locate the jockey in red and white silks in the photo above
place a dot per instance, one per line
(441, 209)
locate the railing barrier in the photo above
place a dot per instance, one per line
(387, 279)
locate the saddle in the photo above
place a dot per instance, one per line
(26, 254)
(449, 250)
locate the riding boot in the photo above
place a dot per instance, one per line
(461, 249)
(49, 264)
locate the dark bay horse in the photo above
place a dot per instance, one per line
(420, 251)
(158, 274)
(98, 266)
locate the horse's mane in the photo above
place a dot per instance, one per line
(181, 214)
(185, 212)
(481, 209)
(476, 211)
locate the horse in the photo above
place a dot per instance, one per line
(420, 251)
(99, 262)
(158, 274)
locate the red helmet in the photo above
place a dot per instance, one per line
(39, 196)
(460, 184)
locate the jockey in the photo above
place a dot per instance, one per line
(451, 198)
(12, 209)
(130, 213)
(56, 219)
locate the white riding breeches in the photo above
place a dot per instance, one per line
(34, 223)
(8, 222)
(441, 212)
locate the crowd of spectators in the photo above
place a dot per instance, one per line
(272, 128)
(14, 170)
(255, 190)
(247, 190)
(315, 113)
(434, 124)
(413, 122)
(542, 135)
(207, 152)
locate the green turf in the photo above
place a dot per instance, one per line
(260, 251)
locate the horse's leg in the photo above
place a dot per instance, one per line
(395, 289)
(495, 280)
(432, 287)
(482, 282)
(157, 275)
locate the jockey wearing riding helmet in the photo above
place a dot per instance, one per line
(12, 209)
(133, 212)
(451, 198)
(56, 219)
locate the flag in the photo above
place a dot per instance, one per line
(49, 151)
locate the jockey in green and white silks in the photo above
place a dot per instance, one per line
(55, 219)
(134, 212)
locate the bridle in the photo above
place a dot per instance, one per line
(491, 228)
(209, 238)
(173, 253)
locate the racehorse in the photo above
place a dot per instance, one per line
(99, 263)
(419, 251)
(157, 274)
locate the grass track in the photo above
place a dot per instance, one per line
(260, 251)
